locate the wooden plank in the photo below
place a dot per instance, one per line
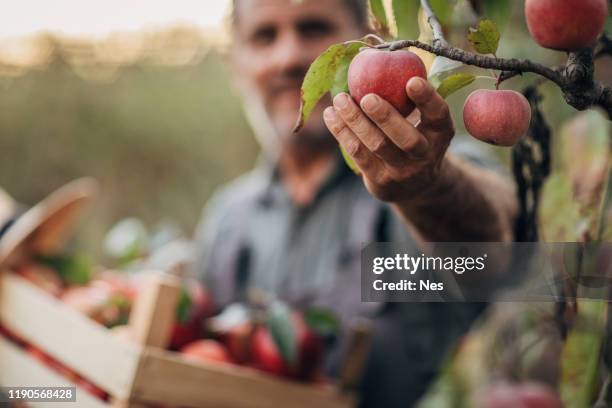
(168, 378)
(151, 319)
(73, 339)
(18, 369)
(154, 311)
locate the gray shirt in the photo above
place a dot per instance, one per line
(253, 236)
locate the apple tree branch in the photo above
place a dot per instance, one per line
(575, 78)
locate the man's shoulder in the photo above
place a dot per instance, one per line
(240, 192)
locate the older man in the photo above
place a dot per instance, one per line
(294, 226)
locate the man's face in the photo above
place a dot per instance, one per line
(274, 43)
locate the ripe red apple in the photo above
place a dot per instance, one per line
(266, 356)
(525, 395)
(194, 307)
(385, 73)
(237, 340)
(567, 25)
(496, 117)
(207, 351)
(100, 301)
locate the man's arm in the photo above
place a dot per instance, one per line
(469, 203)
(408, 166)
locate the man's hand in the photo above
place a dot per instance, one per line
(399, 160)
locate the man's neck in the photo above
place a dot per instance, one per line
(303, 170)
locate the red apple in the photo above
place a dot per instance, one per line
(525, 395)
(99, 301)
(237, 340)
(567, 25)
(207, 351)
(385, 73)
(497, 117)
(194, 307)
(266, 356)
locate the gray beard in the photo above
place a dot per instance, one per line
(272, 138)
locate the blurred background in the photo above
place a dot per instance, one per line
(136, 94)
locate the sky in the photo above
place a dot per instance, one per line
(100, 17)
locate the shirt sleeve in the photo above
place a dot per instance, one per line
(211, 252)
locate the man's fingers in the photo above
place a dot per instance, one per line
(368, 133)
(365, 160)
(435, 113)
(403, 134)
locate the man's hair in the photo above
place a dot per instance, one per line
(359, 9)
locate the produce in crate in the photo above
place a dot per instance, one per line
(267, 356)
(95, 293)
(273, 338)
(207, 350)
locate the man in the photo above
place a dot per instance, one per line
(294, 226)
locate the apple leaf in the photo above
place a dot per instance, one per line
(280, 324)
(323, 76)
(349, 161)
(453, 83)
(485, 38)
(581, 355)
(573, 200)
(322, 322)
(405, 13)
(183, 308)
(73, 269)
(378, 10)
(560, 215)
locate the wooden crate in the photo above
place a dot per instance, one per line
(136, 371)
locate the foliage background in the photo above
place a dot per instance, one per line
(154, 117)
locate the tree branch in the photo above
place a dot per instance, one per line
(575, 78)
(434, 23)
(482, 61)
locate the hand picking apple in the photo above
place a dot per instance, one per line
(398, 158)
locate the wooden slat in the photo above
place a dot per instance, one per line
(151, 319)
(154, 311)
(73, 339)
(168, 378)
(17, 369)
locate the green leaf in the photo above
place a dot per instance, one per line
(379, 12)
(499, 11)
(280, 324)
(349, 161)
(322, 322)
(323, 76)
(405, 13)
(341, 78)
(73, 269)
(581, 355)
(485, 38)
(585, 161)
(559, 213)
(183, 308)
(454, 83)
